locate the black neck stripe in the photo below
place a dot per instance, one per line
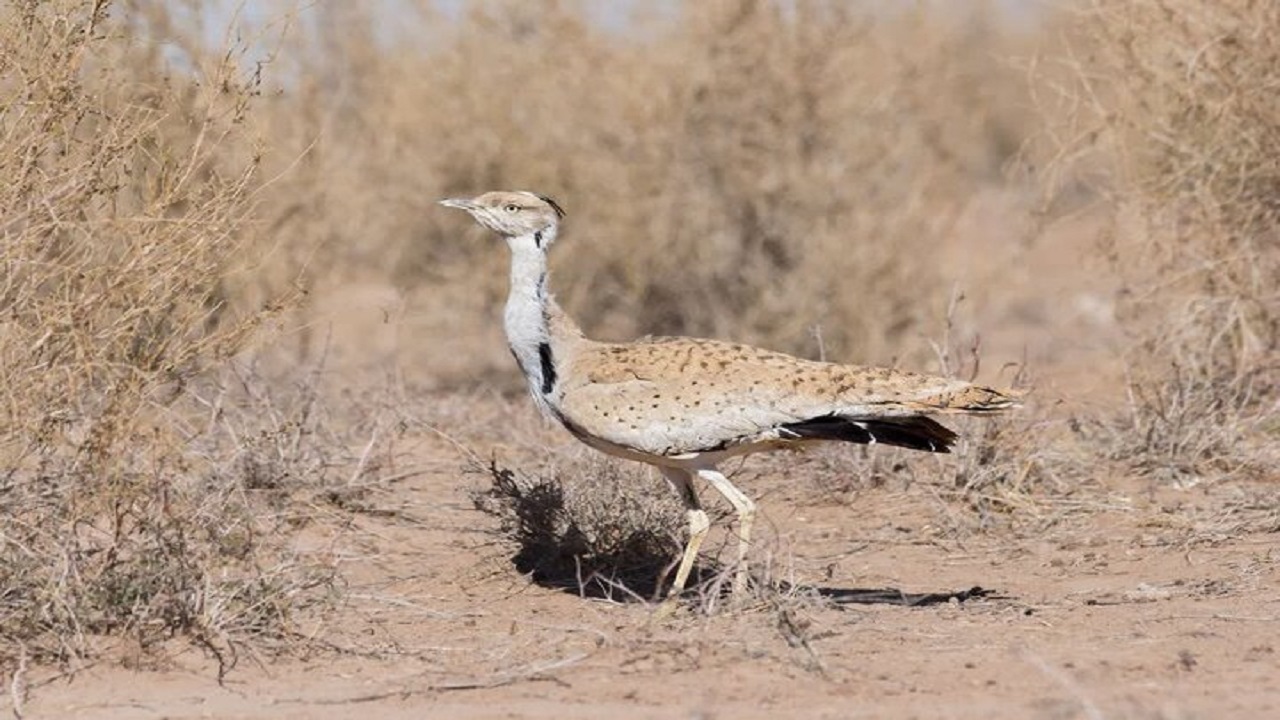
(548, 368)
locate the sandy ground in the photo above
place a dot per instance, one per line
(1152, 605)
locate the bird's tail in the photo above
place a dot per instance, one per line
(969, 400)
(904, 423)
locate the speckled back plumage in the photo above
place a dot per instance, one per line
(675, 396)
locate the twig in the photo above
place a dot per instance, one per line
(1067, 682)
(409, 604)
(1220, 616)
(364, 457)
(796, 636)
(18, 684)
(531, 673)
(405, 475)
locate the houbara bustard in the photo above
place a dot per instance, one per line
(684, 405)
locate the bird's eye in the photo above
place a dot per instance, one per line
(511, 208)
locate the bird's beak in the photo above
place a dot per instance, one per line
(460, 203)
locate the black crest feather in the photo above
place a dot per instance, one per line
(554, 205)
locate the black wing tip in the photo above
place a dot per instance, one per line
(914, 433)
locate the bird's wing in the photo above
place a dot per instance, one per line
(671, 396)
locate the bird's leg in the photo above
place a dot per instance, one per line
(698, 526)
(746, 510)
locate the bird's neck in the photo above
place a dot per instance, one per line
(540, 334)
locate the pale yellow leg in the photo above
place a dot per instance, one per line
(699, 524)
(746, 510)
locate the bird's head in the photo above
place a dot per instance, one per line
(512, 213)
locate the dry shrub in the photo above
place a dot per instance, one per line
(123, 212)
(613, 530)
(738, 168)
(1017, 474)
(1178, 97)
(604, 530)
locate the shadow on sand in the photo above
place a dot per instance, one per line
(645, 582)
(894, 596)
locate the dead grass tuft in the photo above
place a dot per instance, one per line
(1170, 97)
(603, 530)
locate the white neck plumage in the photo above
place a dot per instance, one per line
(532, 316)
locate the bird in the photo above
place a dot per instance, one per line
(685, 405)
